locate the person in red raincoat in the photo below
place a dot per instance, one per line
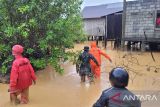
(22, 76)
(96, 52)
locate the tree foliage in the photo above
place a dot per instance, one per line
(44, 27)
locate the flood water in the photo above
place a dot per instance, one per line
(55, 90)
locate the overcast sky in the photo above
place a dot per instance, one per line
(98, 2)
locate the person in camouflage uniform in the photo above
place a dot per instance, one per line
(83, 65)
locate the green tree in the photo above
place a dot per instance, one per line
(46, 28)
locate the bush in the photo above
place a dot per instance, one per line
(44, 27)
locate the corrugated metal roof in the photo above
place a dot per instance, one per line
(101, 10)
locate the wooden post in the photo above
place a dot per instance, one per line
(123, 23)
(105, 36)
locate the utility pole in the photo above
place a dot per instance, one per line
(123, 24)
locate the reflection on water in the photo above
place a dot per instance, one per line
(54, 90)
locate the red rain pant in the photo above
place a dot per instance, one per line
(24, 96)
(96, 70)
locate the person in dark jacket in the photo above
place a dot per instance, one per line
(118, 95)
(83, 65)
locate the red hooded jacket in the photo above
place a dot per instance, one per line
(22, 74)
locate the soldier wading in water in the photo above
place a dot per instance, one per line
(83, 65)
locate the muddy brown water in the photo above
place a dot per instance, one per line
(54, 90)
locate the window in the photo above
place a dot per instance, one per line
(158, 19)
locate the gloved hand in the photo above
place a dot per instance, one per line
(110, 60)
(34, 81)
(12, 89)
(77, 68)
